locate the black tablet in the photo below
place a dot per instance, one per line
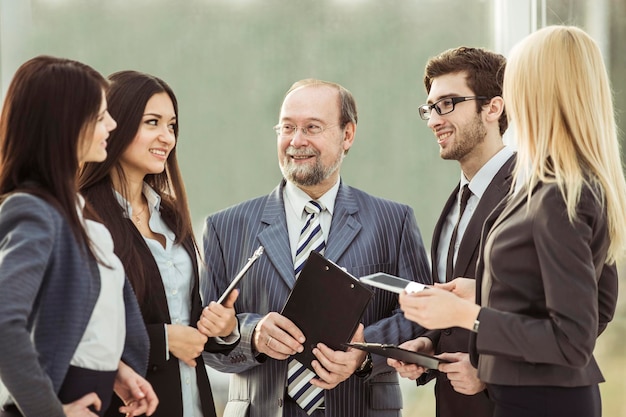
(395, 352)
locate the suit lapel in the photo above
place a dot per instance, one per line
(497, 190)
(511, 206)
(275, 237)
(434, 246)
(344, 227)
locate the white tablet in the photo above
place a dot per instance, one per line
(392, 283)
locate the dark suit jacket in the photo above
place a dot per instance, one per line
(449, 402)
(367, 235)
(546, 291)
(48, 289)
(164, 375)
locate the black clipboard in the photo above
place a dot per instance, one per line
(395, 352)
(326, 303)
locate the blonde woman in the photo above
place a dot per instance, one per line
(547, 284)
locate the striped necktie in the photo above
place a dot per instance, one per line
(308, 397)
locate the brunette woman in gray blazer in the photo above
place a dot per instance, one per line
(70, 328)
(546, 283)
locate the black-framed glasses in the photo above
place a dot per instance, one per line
(311, 130)
(445, 105)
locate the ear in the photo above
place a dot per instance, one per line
(348, 136)
(494, 109)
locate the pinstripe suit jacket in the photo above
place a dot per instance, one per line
(48, 289)
(367, 235)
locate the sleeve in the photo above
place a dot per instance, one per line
(224, 344)
(413, 264)
(158, 346)
(566, 335)
(137, 344)
(607, 296)
(26, 240)
(213, 282)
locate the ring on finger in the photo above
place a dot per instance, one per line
(269, 341)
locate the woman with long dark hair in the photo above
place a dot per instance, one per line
(70, 329)
(140, 196)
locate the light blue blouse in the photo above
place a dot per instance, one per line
(176, 269)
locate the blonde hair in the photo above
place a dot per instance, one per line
(557, 93)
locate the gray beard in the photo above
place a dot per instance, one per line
(309, 176)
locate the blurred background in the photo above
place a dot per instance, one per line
(231, 61)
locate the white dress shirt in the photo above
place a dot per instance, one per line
(101, 346)
(176, 269)
(295, 200)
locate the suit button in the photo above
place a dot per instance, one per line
(155, 368)
(280, 403)
(447, 332)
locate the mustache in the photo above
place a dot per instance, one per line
(291, 151)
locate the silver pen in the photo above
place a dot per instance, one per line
(257, 253)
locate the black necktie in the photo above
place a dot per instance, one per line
(465, 195)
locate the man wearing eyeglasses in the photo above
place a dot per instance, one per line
(466, 113)
(359, 232)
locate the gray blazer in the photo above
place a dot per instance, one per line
(48, 289)
(546, 291)
(367, 235)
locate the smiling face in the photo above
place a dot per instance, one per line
(461, 132)
(93, 147)
(313, 163)
(154, 141)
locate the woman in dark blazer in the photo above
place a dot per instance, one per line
(139, 194)
(70, 328)
(546, 285)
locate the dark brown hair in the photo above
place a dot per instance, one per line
(484, 71)
(51, 107)
(127, 97)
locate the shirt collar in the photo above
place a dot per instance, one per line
(485, 174)
(296, 198)
(153, 198)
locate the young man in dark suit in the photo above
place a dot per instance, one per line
(465, 111)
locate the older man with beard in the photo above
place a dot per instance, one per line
(359, 232)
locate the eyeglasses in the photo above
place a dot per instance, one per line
(311, 130)
(445, 105)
